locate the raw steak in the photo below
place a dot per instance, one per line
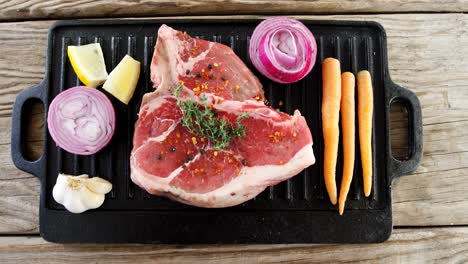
(168, 160)
(202, 66)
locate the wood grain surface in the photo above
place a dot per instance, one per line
(427, 54)
(434, 245)
(14, 10)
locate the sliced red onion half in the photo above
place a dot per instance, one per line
(283, 49)
(81, 120)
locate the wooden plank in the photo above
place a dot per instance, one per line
(433, 245)
(425, 52)
(66, 9)
(19, 197)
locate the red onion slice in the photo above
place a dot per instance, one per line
(81, 120)
(283, 49)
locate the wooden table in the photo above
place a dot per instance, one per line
(428, 47)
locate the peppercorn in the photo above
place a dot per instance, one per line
(173, 149)
(198, 75)
(159, 157)
(210, 66)
(187, 72)
(244, 162)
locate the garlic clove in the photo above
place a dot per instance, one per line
(60, 189)
(91, 199)
(82, 176)
(75, 195)
(73, 202)
(98, 185)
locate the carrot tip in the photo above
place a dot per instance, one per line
(330, 59)
(363, 74)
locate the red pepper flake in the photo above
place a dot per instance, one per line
(205, 75)
(194, 140)
(280, 103)
(236, 88)
(276, 137)
(215, 64)
(215, 153)
(194, 49)
(196, 90)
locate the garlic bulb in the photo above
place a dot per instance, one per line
(80, 193)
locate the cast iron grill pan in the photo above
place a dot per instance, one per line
(295, 211)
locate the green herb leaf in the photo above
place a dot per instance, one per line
(203, 121)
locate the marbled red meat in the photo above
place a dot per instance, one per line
(203, 67)
(173, 162)
(168, 160)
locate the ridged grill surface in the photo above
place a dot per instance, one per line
(357, 48)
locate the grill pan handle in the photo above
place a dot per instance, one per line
(415, 133)
(17, 132)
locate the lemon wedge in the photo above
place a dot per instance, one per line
(88, 63)
(123, 79)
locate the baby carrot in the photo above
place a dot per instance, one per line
(348, 127)
(365, 110)
(331, 97)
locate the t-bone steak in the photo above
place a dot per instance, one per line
(170, 161)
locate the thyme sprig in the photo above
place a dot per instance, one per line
(203, 121)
